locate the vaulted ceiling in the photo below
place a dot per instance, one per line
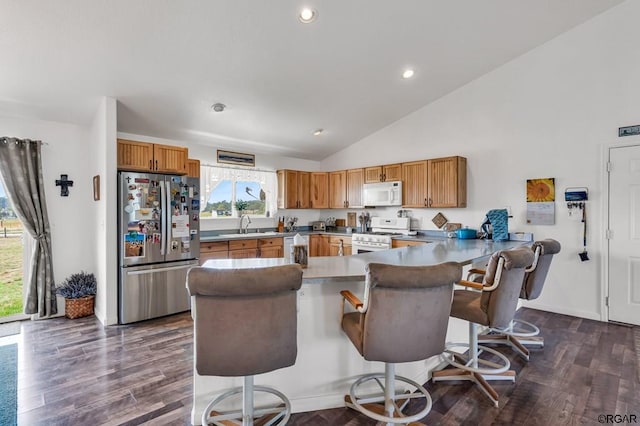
(167, 62)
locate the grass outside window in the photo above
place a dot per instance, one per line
(10, 268)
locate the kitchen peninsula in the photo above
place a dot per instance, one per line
(327, 363)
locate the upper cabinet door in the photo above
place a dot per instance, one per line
(135, 156)
(447, 182)
(355, 180)
(303, 190)
(193, 168)
(338, 189)
(319, 190)
(414, 184)
(170, 159)
(287, 189)
(392, 172)
(373, 174)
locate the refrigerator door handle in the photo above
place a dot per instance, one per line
(163, 215)
(153, 271)
(167, 216)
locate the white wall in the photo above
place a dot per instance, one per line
(72, 217)
(102, 162)
(545, 114)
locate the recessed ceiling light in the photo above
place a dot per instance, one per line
(307, 15)
(318, 132)
(408, 73)
(218, 107)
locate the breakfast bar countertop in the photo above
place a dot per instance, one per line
(326, 359)
(351, 268)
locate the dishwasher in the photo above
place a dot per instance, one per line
(288, 246)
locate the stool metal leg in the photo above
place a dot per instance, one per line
(389, 390)
(247, 401)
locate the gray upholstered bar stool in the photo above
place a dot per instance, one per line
(492, 303)
(245, 323)
(403, 318)
(519, 333)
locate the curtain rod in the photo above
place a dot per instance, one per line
(249, 169)
(6, 138)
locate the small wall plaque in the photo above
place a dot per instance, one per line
(629, 131)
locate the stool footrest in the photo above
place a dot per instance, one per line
(373, 406)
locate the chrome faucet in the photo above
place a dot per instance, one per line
(244, 230)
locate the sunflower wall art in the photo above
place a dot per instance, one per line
(541, 196)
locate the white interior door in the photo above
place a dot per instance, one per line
(624, 244)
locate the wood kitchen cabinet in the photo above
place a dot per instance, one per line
(334, 245)
(318, 245)
(293, 189)
(243, 249)
(319, 190)
(406, 243)
(414, 184)
(150, 157)
(386, 173)
(447, 182)
(338, 189)
(271, 247)
(439, 182)
(345, 188)
(213, 250)
(193, 168)
(355, 180)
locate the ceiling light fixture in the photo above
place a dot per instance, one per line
(307, 15)
(218, 107)
(318, 132)
(408, 73)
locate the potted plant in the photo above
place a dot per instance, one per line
(79, 292)
(241, 205)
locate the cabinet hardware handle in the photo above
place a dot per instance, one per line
(430, 201)
(156, 164)
(425, 202)
(381, 177)
(384, 177)
(150, 165)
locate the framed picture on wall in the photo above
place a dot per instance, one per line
(237, 158)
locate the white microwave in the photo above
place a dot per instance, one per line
(382, 194)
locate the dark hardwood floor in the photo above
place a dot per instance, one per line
(76, 372)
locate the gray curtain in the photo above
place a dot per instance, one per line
(21, 172)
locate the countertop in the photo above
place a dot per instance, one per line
(253, 235)
(352, 268)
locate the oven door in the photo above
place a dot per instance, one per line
(359, 249)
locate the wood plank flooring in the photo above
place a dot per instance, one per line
(76, 372)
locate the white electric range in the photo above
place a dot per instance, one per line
(382, 229)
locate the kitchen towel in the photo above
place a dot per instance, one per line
(499, 219)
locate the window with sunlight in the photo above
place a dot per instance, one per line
(231, 192)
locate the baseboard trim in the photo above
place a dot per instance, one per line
(571, 312)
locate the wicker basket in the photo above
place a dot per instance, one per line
(77, 308)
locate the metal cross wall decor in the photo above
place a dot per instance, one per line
(64, 185)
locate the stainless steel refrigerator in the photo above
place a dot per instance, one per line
(158, 242)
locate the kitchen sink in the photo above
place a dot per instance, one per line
(250, 234)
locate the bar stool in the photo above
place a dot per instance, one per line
(519, 333)
(492, 303)
(403, 318)
(245, 323)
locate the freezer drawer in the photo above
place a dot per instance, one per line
(153, 291)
